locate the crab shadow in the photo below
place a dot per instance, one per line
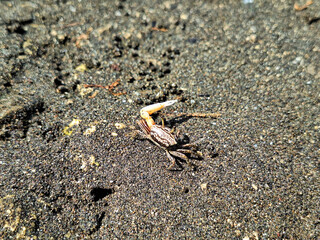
(175, 121)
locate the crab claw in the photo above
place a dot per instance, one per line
(156, 107)
(148, 110)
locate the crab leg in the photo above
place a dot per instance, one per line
(182, 156)
(148, 110)
(191, 152)
(172, 159)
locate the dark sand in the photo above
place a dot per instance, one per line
(256, 64)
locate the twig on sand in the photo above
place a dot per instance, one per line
(109, 87)
(202, 115)
(303, 7)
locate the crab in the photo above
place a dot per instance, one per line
(162, 136)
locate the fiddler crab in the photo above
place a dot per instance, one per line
(162, 136)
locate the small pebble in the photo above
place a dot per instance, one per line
(254, 186)
(119, 125)
(90, 130)
(204, 186)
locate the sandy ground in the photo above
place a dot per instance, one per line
(73, 77)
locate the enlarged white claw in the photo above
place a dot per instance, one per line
(156, 107)
(168, 103)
